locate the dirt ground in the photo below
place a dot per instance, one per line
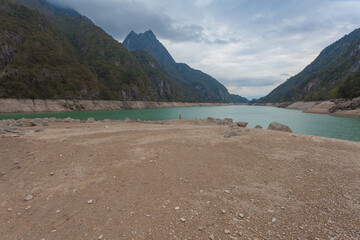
(177, 180)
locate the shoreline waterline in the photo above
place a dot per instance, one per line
(347, 128)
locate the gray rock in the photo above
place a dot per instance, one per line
(90, 120)
(279, 127)
(182, 219)
(241, 124)
(232, 134)
(228, 120)
(258, 127)
(39, 130)
(29, 197)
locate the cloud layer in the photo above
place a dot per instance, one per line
(250, 46)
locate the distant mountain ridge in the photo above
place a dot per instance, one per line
(335, 73)
(196, 84)
(49, 52)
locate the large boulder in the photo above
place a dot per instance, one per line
(279, 127)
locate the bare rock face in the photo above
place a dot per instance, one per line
(279, 127)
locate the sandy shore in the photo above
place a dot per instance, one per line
(177, 180)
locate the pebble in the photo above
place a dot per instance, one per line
(201, 191)
(90, 201)
(227, 191)
(241, 215)
(212, 237)
(39, 130)
(227, 231)
(273, 220)
(57, 211)
(52, 174)
(177, 208)
(28, 207)
(29, 197)
(106, 126)
(201, 228)
(182, 219)
(223, 211)
(9, 209)
(100, 237)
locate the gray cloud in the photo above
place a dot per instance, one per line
(251, 44)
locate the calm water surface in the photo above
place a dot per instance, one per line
(314, 124)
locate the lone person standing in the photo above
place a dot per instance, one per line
(180, 116)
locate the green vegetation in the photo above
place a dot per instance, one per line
(333, 74)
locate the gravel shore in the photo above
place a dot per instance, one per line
(181, 179)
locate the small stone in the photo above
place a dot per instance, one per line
(273, 220)
(182, 219)
(90, 201)
(227, 231)
(212, 237)
(29, 197)
(100, 237)
(223, 211)
(201, 191)
(227, 191)
(57, 211)
(106, 127)
(241, 215)
(177, 208)
(9, 209)
(52, 174)
(28, 207)
(201, 228)
(39, 130)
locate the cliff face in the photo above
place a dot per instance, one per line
(335, 73)
(195, 85)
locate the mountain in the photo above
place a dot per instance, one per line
(335, 73)
(51, 52)
(238, 99)
(195, 85)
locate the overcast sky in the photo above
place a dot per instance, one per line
(250, 46)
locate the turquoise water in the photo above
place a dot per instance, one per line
(314, 124)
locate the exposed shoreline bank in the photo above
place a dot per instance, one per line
(349, 108)
(48, 105)
(338, 107)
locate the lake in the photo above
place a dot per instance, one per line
(314, 124)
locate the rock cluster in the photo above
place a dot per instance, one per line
(344, 104)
